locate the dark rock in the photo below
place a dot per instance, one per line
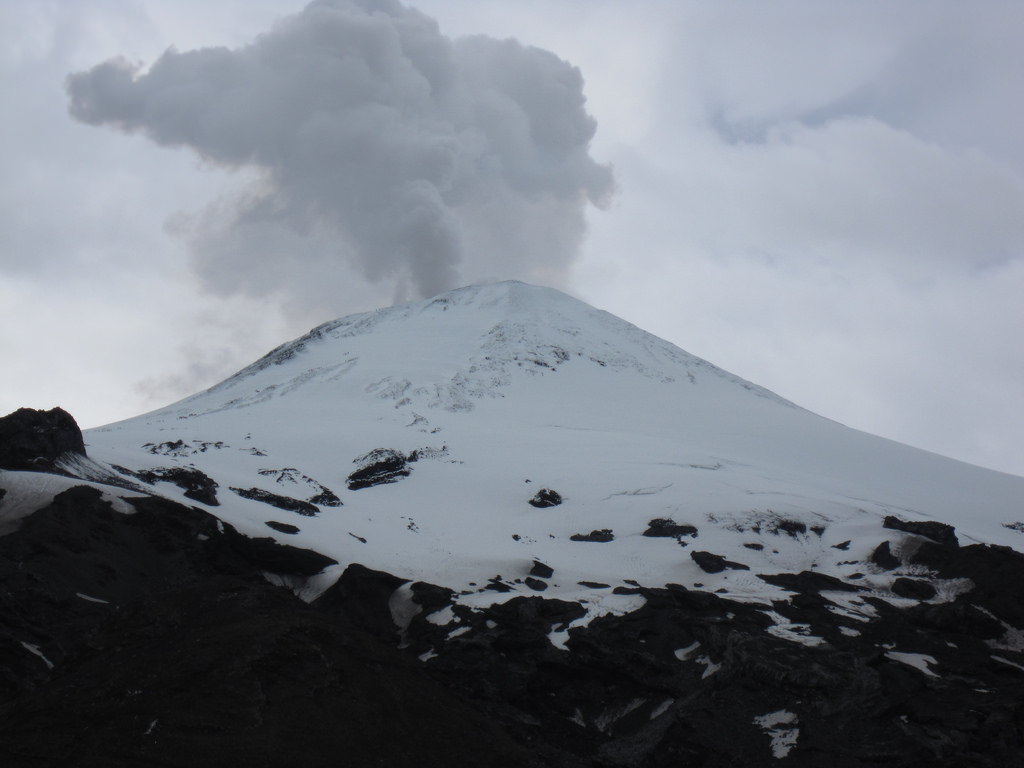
(326, 498)
(754, 546)
(712, 563)
(790, 527)
(323, 495)
(35, 440)
(378, 467)
(884, 558)
(668, 528)
(497, 585)
(431, 597)
(535, 584)
(546, 497)
(73, 562)
(602, 536)
(808, 581)
(956, 618)
(361, 597)
(180, 448)
(913, 588)
(196, 660)
(236, 672)
(286, 503)
(843, 545)
(940, 533)
(991, 569)
(282, 527)
(593, 584)
(197, 486)
(541, 570)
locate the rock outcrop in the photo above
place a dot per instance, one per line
(35, 440)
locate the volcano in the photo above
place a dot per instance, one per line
(613, 551)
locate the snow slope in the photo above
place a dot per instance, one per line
(501, 390)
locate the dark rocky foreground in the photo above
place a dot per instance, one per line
(155, 639)
(194, 658)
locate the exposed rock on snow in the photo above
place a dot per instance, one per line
(916, 589)
(602, 536)
(379, 466)
(546, 497)
(712, 563)
(197, 485)
(940, 533)
(281, 502)
(541, 570)
(35, 440)
(664, 527)
(283, 527)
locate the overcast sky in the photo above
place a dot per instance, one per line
(826, 198)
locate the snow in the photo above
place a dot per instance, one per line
(661, 709)
(34, 650)
(91, 599)
(514, 388)
(920, 661)
(1001, 660)
(710, 667)
(787, 630)
(684, 653)
(403, 606)
(28, 492)
(781, 726)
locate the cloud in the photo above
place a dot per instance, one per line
(379, 143)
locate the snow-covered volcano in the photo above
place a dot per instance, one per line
(608, 551)
(413, 440)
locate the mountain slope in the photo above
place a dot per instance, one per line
(617, 553)
(502, 390)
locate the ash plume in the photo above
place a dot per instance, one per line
(379, 144)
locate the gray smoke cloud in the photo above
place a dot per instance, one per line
(379, 143)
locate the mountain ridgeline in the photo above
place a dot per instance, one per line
(501, 528)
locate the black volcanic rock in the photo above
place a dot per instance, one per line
(541, 570)
(712, 563)
(915, 589)
(361, 597)
(995, 574)
(70, 564)
(379, 466)
(808, 581)
(602, 536)
(940, 533)
(168, 648)
(282, 527)
(197, 485)
(235, 672)
(286, 503)
(546, 497)
(35, 440)
(668, 528)
(884, 558)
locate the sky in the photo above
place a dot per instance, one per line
(825, 198)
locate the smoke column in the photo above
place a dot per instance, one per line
(380, 145)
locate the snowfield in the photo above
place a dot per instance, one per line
(486, 395)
